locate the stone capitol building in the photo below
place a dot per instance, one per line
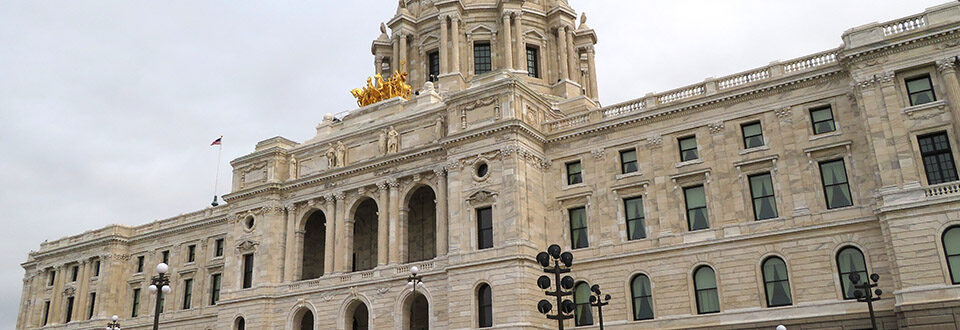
(743, 201)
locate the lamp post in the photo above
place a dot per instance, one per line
(561, 263)
(115, 325)
(595, 301)
(161, 281)
(865, 293)
(414, 280)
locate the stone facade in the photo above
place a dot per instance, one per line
(334, 224)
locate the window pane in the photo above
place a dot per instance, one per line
(822, 114)
(954, 268)
(578, 228)
(705, 278)
(833, 172)
(838, 196)
(752, 129)
(764, 202)
(921, 98)
(533, 62)
(850, 260)
(708, 301)
(777, 282)
(485, 303)
(824, 127)
(642, 298)
(485, 228)
(635, 223)
(695, 197)
(481, 58)
(688, 143)
(951, 241)
(918, 85)
(765, 208)
(581, 297)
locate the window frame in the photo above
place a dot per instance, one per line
(216, 281)
(814, 122)
(68, 317)
(743, 133)
(478, 55)
(695, 149)
(584, 228)
(705, 207)
(824, 186)
(634, 297)
(933, 90)
(93, 305)
(840, 274)
(74, 273)
(140, 262)
(165, 257)
(948, 152)
(635, 162)
(569, 176)
(482, 305)
(696, 290)
(481, 229)
(218, 245)
(589, 307)
(772, 195)
(246, 277)
(947, 255)
(191, 253)
(135, 303)
(187, 294)
(46, 312)
(535, 65)
(641, 219)
(763, 275)
(431, 64)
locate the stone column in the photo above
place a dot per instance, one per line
(443, 44)
(290, 246)
(507, 44)
(383, 225)
(395, 60)
(80, 302)
(296, 272)
(521, 49)
(562, 52)
(394, 219)
(403, 51)
(455, 57)
(573, 59)
(592, 67)
(442, 221)
(56, 298)
(347, 245)
(948, 71)
(330, 240)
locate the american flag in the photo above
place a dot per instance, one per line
(217, 141)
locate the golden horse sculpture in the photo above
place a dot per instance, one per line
(378, 89)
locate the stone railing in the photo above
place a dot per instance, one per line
(569, 122)
(744, 79)
(620, 109)
(393, 272)
(681, 94)
(810, 62)
(909, 24)
(941, 190)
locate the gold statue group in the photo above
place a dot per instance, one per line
(394, 86)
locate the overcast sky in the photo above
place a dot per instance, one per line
(107, 108)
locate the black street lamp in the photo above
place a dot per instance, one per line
(865, 293)
(115, 325)
(161, 281)
(595, 301)
(564, 306)
(414, 280)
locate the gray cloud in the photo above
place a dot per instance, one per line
(107, 107)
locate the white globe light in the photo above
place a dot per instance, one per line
(152, 288)
(414, 270)
(166, 289)
(162, 268)
(781, 327)
(115, 317)
(420, 285)
(410, 283)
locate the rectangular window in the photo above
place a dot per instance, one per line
(187, 292)
(136, 303)
(93, 305)
(96, 268)
(920, 90)
(51, 278)
(635, 220)
(218, 247)
(140, 264)
(434, 62)
(752, 135)
(191, 253)
(46, 312)
(69, 310)
(628, 161)
(937, 158)
(823, 120)
(165, 256)
(481, 58)
(574, 175)
(214, 289)
(688, 148)
(74, 273)
(764, 202)
(533, 62)
(247, 271)
(835, 186)
(578, 228)
(696, 199)
(484, 228)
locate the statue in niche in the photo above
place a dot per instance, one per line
(341, 154)
(293, 168)
(393, 141)
(438, 128)
(382, 142)
(332, 156)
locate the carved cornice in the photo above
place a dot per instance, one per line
(784, 114)
(715, 128)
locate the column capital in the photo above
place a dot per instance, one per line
(510, 13)
(340, 196)
(947, 64)
(394, 183)
(382, 185)
(440, 172)
(886, 78)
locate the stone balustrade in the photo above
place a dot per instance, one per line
(681, 94)
(909, 24)
(942, 190)
(810, 62)
(623, 108)
(744, 79)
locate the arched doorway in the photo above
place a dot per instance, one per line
(422, 225)
(314, 244)
(358, 316)
(303, 320)
(419, 313)
(240, 324)
(365, 236)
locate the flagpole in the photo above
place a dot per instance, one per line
(216, 181)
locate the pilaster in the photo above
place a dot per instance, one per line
(330, 241)
(383, 225)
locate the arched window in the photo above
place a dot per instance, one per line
(240, 324)
(581, 297)
(642, 295)
(484, 306)
(776, 282)
(951, 247)
(849, 261)
(705, 285)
